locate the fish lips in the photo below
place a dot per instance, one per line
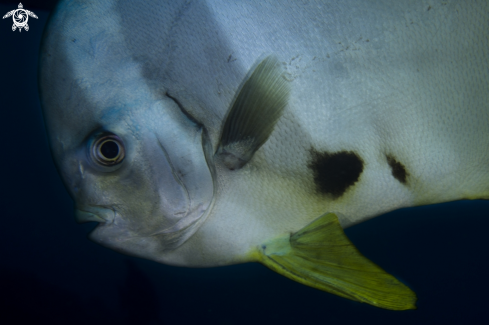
(120, 236)
(98, 214)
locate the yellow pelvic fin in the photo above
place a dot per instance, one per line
(321, 256)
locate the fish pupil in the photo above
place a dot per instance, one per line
(110, 149)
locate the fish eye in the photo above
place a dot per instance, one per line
(108, 150)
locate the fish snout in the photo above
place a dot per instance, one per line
(90, 213)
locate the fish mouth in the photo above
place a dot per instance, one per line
(89, 213)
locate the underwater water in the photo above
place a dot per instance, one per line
(50, 273)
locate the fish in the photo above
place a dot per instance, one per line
(211, 133)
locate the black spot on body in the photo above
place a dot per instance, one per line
(335, 172)
(398, 170)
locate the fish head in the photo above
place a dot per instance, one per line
(130, 158)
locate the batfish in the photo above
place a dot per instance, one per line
(208, 133)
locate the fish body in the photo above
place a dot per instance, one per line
(210, 133)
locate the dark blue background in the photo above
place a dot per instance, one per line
(51, 274)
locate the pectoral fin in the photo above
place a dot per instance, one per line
(321, 256)
(256, 109)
